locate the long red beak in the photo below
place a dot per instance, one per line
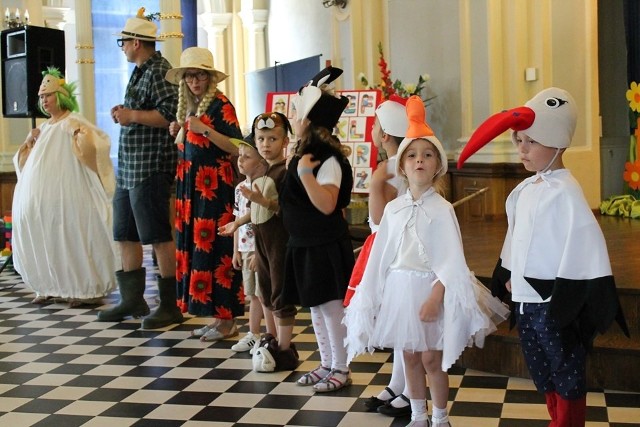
(517, 119)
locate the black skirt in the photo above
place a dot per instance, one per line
(317, 274)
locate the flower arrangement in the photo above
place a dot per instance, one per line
(389, 87)
(632, 168)
(628, 205)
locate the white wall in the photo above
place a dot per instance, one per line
(424, 38)
(298, 29)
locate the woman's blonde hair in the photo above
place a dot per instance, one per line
(187, 102)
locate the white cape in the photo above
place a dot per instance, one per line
(470, 312)
(62, 237)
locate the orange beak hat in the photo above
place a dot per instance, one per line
(419, 129)
(548, 118)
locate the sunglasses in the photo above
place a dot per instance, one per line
(121, 42)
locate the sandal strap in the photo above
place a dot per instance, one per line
(393, 395)
(403, 397)
(313, 377)
(441, 420)
(334, 383)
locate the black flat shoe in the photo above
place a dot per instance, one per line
(373, 403)
(391, 411)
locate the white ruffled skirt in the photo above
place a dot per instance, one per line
(398, 323)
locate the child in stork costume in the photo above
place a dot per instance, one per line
(554, 261)
(389, 129)
(319, 256)
(417, 292)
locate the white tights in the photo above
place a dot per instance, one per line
(330, 334)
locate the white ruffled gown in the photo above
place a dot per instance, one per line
(62, 237)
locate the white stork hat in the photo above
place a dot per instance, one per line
(549, 118)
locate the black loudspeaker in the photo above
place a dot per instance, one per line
(26, 52)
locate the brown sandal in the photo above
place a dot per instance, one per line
(40, 300)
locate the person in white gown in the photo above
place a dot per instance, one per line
(62, 222)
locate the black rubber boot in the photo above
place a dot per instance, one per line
(167, 312)
(131, 285)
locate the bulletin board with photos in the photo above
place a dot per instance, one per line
(353, 130)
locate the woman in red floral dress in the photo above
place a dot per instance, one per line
(206, 120)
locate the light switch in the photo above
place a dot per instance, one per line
(531, 74)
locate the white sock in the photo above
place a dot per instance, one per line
(418, 409)
(322, 336)
(396, 383)
(439, 415)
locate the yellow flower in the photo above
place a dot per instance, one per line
(633, 96)
(632, 174)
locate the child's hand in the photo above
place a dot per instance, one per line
(508, 285)
(380, 175)
(228, 229)
(429, 310)
(236, 261)
(255, 195)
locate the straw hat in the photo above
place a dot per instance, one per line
(195, 57)
(139, 28)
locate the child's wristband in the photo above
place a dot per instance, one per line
(304, 171)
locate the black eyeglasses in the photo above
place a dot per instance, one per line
(121, 42)
(199, 75)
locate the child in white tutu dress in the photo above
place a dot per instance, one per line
(417, 292)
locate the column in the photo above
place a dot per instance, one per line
(216, 26)
(253, 44)
(254, 22)
(171, 31)
(85, 59)
(227, 50)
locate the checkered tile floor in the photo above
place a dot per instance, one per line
(59, 367)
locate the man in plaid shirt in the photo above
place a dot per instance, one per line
(147, 159)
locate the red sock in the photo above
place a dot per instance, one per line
(551, 407)
(571, 412)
